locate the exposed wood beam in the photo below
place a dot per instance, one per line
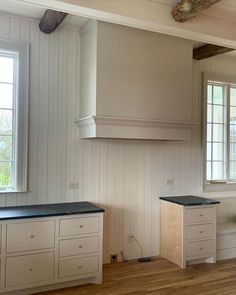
(51, 20)
(187, 9)
(209, 50)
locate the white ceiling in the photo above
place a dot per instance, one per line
(18, 8)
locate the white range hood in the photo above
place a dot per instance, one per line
(134, 84)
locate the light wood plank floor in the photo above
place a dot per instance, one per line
(162, 278)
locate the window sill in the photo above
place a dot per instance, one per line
(13, 192)
(219, 187)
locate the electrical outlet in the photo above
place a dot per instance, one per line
(130, 238)
(73, 185)
(113, 258)
(170, 181)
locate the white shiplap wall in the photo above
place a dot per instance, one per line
(125, 177)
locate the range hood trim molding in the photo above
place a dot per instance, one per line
(133, 128)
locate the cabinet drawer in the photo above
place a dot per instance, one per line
(200, 215)
(200, 231)
(200, 248)
(30, 236)
(23, 270)
(79, 266)
(78, 226)
(78, 246)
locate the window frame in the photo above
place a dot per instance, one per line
(215, 185)
(21, 107)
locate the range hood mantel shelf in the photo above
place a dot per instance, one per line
(133, 128)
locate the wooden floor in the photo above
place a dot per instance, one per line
(162, 278)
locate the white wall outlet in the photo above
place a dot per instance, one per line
(73, 185)
(170, 181)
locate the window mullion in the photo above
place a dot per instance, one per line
(228, 132)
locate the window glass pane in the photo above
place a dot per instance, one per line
(208, 170)
(5, 122)
(209, 94)
(217, 150)
(209, 145)
(233, 97)
(232, 151)
(5, 148)
(218, 132)
(6, 69)
(218, 95)
(218, 114)
(233, 115)
(232, 133)
(5, 174)
(209, 113)
(232, 170)
(6, 96)
(209, 133)
(218, 171)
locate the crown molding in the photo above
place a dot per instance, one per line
(134, 128)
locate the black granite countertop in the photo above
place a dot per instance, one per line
(190, 200)
(47, 210)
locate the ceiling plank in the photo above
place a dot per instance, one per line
(187, 9)
(209, 50)
(51, 20)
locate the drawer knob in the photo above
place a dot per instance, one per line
(201, 215)
(81, 226)
(31, 236)
(201, 248)
(31, 269)
(201, 231)
(79, 266)
(80, 246)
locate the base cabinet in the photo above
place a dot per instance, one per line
(188, 233)
(42, 254)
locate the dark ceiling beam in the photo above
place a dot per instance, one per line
(209, 50)
(51, 20)
(187, 9)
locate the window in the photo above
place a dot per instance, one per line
(13, 116)
(220, 129)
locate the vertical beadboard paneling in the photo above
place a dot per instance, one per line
(125, 177)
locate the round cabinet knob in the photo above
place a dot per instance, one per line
(80, 246)
(201, 231)
(31, 269)
(201, 215)
(201, 248)
(31, 236)
(81, 226)
(79, 266)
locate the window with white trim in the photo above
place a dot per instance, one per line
(220, 129)
(13, 116)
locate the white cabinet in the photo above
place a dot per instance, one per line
(26, 269)
(38, 253)
(188, 233)
(26, 236)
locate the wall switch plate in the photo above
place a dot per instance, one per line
(73, 185)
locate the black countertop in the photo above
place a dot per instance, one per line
(34, 211)
(190, 200)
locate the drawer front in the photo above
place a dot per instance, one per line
(200, 215)
(78, 246)
(23, 270)
(200, 248)
(79, 266)
(78, 226)
(30, 236)
(200, 231)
